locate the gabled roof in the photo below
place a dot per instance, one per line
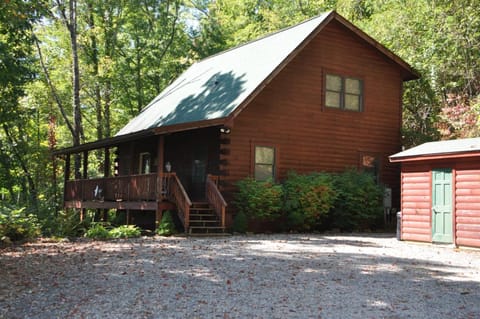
(215, 90)
(440, 149)
(217, 87)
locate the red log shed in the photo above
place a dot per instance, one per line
(440, 192)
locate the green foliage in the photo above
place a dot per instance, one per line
(240, 223)
(259, 199)
(359, 201)
(16, 225)
(167, 225)
(125, 231)
(102, 230)
(307, 198)
(65, 224)
(98, 231)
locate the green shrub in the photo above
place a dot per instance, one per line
(307, 198)
(167, 225)
(359, 201)
(125, 231)
(240, 223)
(98, 231)
(66, 223)
(258, 199)
(16, 225)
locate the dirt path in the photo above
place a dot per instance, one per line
(277, 276)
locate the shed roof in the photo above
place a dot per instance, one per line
(439, 149)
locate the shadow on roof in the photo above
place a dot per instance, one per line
(216, 100)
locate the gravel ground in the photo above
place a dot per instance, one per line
(258, 276)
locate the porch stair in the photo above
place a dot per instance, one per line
(204, 221)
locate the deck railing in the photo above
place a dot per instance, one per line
(145, 187)
(119, 188)
(177, 194)
(215, 198)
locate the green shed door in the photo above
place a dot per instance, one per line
(442, 217)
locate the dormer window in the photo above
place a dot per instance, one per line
(343, 92)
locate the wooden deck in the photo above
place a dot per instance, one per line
(121, 192)
(141, 192)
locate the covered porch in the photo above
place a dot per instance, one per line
(152, 173)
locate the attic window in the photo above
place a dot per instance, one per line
(343, 92)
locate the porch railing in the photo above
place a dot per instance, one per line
(119, 188)
(146, 187)
(215, 198)
(177, 194)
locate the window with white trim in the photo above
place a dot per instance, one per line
(343, 92)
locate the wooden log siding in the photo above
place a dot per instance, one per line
(215, 198)
(289, 114)
(467, 207)
(416, 206)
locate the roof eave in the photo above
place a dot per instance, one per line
(430, 157)
(109, 141)
(189, 126)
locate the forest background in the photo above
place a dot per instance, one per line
(74, 71)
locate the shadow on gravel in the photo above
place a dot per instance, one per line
(239, 277)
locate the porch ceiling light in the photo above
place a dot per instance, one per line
(225, 130)
(168, 167)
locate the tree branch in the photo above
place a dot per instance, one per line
(53, 91)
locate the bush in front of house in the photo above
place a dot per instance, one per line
(261, 200)
(307, 198)
(240, 223)
(359, 201)
(346, 201)
(98, 231)
(125, 231)
(102, 230)
(167, 225)
(16, 224)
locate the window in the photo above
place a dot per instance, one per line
(343, 92)
(264, 163)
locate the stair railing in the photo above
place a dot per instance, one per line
(177, 194)
(215, 198)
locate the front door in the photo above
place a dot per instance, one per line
(199, 172)
(442, 216)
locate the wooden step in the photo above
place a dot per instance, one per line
(204, 221)
(206, 230)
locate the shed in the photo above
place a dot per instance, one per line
(440, 192)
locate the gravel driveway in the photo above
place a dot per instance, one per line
(258, 276)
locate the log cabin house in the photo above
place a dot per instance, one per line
(440, 192)
(319, 96)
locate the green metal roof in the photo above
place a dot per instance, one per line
(217, 88)
(212, 88)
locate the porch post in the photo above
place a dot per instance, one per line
(106, 167)
(66, 175)
(106, 173)
(85, 164)
(160, 160)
